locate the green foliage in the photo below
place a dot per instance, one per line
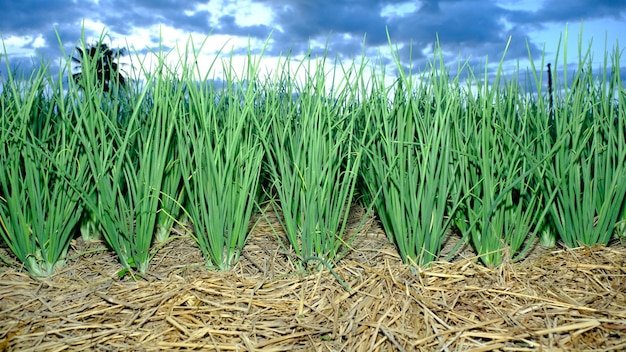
(494, 143)
(42, 176)
(588, 172)
(127, 156)
(220, 158)
(409, 171)
(127, 159)
(313, 158)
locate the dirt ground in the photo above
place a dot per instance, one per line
(556, 299)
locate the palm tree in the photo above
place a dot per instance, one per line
(107, 70)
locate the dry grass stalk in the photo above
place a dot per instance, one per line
(558, 300)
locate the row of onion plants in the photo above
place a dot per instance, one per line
(429, 153)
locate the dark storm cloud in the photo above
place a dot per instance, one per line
(330, 20)
(124, 18)
(471, 29)
(227, 25)
(459, 26)
(41, 18)
(573, 10)
(34, 17)
(303, 19)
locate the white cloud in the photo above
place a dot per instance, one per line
(526, 5)
(22, 45)
(398, 10)
(245, 12)
(251, 14)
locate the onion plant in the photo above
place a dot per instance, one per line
(314, 158)
(127, 157)
(42, 172)
(220, 159)
(169, 101)
(501, 202)
(588, 173)
(409, 170)
(503, 205)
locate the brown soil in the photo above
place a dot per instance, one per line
(556, 299)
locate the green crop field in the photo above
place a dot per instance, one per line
(502, 162)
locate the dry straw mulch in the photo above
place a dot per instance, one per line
(554, 300)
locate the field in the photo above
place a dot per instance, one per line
(557, 299)
(334, 212)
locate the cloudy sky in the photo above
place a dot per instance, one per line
(471, 30)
